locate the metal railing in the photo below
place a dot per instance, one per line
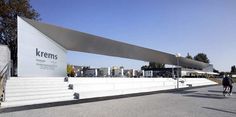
(4, 75)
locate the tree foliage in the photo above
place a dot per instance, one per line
(70, 71)
(215, 70)
(202, 57)
(9, 10)
(189, 56)
(153, 65)
(156, 65)
(144, 67)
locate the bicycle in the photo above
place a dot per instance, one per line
(226, 91)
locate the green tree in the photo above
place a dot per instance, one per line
(233, 69)
(70, 71)
(153, 65)
(9, 10)
(202, 57)
(215, 70)
(189, 56)
(156, 65)
(144, 67)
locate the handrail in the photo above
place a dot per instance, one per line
(4, 75)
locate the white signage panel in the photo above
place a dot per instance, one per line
(38, 55)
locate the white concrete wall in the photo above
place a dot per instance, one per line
(30, 64)
(98, 87)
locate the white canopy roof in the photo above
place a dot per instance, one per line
(83, 42)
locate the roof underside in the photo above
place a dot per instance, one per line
(83, 42)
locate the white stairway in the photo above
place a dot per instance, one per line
(100, 87)
(36, 90)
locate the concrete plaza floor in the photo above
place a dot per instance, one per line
(197, 102)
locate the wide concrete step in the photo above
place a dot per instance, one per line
(36, 97)
(38, 93)
(21, 80)
(36, 86)
(38, 101)
(116, 80)
(35, 78)
(93, 94)
(36, 89)
(34, 83)
(114, 86)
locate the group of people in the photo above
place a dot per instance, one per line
(227, 82)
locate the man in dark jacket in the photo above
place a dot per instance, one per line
(227, 82)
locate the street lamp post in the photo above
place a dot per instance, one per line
(177, 70)
(173, 73)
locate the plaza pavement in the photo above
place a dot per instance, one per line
(197, 102)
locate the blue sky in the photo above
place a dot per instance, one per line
(173, 26)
